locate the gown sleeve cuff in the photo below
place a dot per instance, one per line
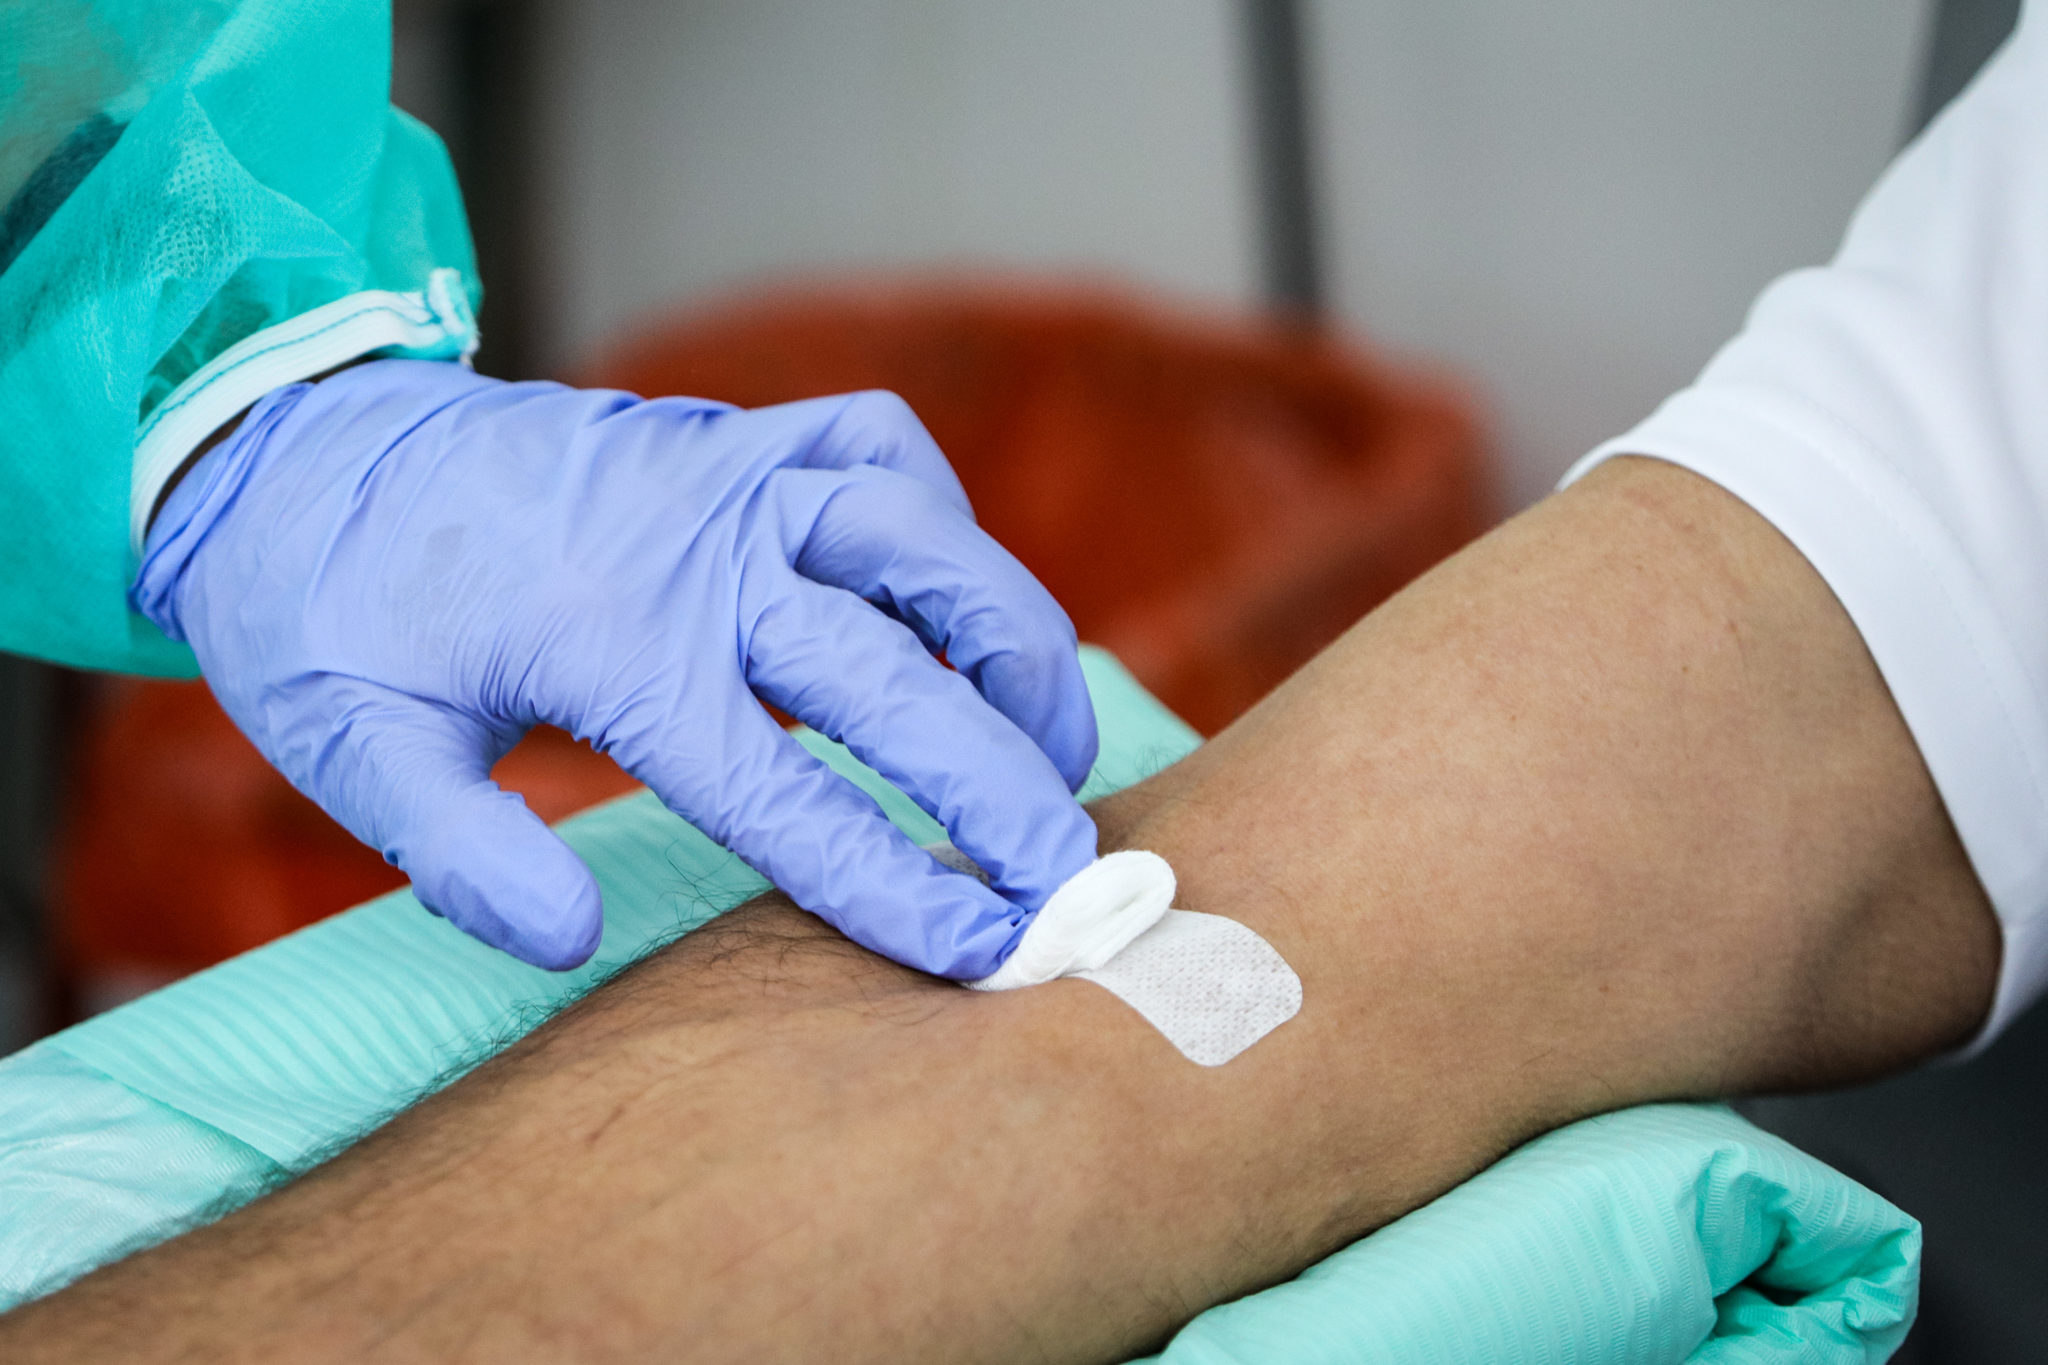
(432, 323)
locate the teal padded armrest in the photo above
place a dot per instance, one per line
(1672, 1233)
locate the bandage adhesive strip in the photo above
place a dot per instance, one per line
(1210, 985)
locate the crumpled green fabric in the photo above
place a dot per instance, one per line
(1667, 1233)
(174, 177)
(1664, 1233)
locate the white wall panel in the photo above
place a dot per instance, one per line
(1575, 200)
(689, 146)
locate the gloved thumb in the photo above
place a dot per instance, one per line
(414, 781)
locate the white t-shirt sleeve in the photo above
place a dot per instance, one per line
(1889, 414)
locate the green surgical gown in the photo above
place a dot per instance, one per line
(186, 183)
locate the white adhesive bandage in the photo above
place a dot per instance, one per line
(1210, 985)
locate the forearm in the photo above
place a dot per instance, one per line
(761, 1143)
(1611, 808)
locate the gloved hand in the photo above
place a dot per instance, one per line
(389, 576)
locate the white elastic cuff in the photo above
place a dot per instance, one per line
(429, 323)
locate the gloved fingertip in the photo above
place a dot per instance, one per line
(1075, 755)
(565, 937)
(1073, 739)
(529, 896)
(904, 904)
(550, 934)
(1045, 693)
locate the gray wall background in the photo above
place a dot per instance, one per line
(1575, 202)
(1570, 201)
(695, 148)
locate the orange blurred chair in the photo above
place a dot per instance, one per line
(1214, 499)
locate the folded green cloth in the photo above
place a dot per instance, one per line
(1672, 1232)
(1669, 1233)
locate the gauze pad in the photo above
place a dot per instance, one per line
(1210, 985)
(1092, 917)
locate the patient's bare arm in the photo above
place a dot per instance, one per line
(1613, 807)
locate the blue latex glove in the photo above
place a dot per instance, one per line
(390, 576)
